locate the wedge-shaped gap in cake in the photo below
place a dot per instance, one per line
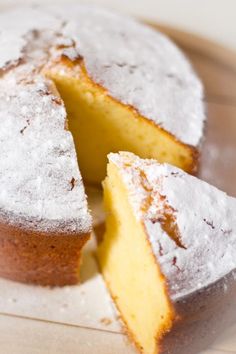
(101, 124)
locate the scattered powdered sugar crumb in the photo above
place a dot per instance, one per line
(106, 321)
(204, 215)
(216, 165)
(137, 65)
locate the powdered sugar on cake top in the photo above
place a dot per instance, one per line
(41, 186)
(15, 27)
(136, 65)
(205, 218)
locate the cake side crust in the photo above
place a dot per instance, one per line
(41, 258)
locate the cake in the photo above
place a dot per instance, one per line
(168, 255)
(77, 83)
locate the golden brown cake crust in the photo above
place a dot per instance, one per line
(40, 257)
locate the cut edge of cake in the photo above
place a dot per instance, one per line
(119, 261)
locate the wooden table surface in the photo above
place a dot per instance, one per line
(27, 326)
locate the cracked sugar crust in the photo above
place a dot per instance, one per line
(204, 216)
(41, 186)
(135, 64)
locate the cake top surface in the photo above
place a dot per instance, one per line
(135, 64)
(191, 225)
(41, 186)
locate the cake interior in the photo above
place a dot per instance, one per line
(101, 125)
(130, 270)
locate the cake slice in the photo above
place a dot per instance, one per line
(44, 216)
(168, 255)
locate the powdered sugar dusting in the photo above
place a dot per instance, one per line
(41, 183)
(135, 64)
(14, 27)
(205, 217)
(38, 161)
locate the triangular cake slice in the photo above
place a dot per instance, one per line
(168, 254)
(44, 217)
